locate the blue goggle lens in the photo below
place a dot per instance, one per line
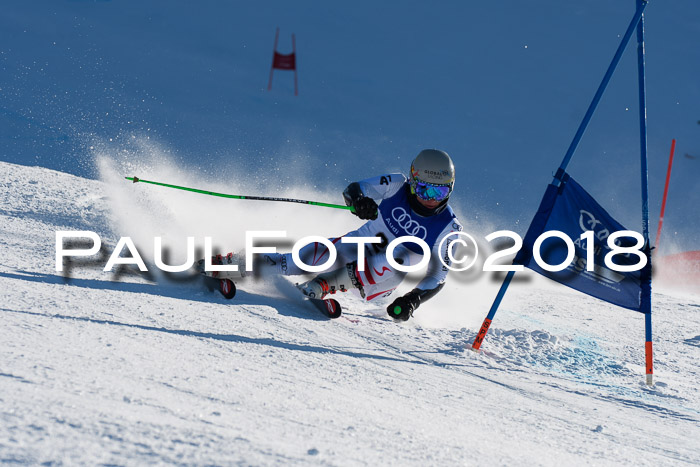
(431, 192)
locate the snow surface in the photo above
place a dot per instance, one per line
(131, 371)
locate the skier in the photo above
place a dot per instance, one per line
(394, 206)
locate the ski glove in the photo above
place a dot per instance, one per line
(403, 307)
(365, 208)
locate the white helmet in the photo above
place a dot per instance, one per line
(432, 175)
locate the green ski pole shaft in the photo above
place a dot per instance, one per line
(256, 198)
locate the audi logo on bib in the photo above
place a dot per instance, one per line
(410, 226)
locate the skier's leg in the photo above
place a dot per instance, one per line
(339, 280)
(378, 278)
(344, 275)
(340, 276)
(275, 264)
(312, 254)
(231, 259)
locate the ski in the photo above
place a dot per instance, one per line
(226, 287)
(329, 307)
(223, 284)
(213, 280)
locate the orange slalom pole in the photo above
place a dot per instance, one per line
(482, 333)
(492, 312)
(649, 354)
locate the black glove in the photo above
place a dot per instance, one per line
(403, 307)
(365, 208)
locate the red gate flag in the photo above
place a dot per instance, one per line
(284, 62)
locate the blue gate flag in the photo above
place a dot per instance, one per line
(571, 210)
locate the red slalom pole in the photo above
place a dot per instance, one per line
(294, 52)
(663, 203)
(272, 67)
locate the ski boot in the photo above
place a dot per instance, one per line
(230, 259)
(224, 278)
(328, 283)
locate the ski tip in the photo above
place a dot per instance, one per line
(334, 308)
(329, 307)
(227, 288)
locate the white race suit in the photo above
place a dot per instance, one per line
(396, 218)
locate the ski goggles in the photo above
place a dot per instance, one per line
(430, 191)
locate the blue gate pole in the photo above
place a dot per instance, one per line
(645, 303)
(492, 312)
(569, 154)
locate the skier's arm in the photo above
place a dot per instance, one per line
(364, 207)
(382, 187)
(403, 307)
(363, 195)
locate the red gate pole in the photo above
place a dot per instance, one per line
(272, 67)
(663, 203)
(294, 52)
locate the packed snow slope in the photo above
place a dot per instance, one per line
(101, 368)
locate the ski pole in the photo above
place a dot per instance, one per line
(256, 198)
